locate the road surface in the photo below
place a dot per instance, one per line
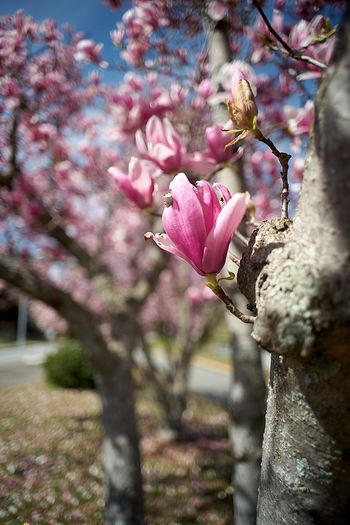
(22, 364)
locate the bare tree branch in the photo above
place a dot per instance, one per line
(82, 322)
(293, 53)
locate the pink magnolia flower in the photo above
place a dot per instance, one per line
(302, 122)
(163, 145)
(113, 4)
(199, 222)
(205, 88)
(164, 148)
(89, 51)
(138, 185)
(198, 294)
(216, 141)
(117, 35)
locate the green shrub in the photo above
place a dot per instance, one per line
(69, 367)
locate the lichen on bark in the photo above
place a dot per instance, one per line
(296, 277)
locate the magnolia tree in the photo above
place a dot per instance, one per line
(58, 240)
(72, 241)
(303, 51)
(68, 240)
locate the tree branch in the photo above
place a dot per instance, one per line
(6, 177)
(82, 322)
(71, 245)
(147, 282)
(283, 159)
(293, 53)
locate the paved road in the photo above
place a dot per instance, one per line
(22, 364)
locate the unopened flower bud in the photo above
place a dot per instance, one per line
(243, 110)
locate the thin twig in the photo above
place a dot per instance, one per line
(293, 53)
(232, 308)
(6, 177)
(241, 238)
(298, 56)
(213, 284)
(235, 259)
(320, 39)
(283, 159)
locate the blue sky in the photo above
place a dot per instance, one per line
(91, 17)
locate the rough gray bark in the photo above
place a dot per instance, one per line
(247, 411)
(120, 450)
(298, 277)
(248, 392)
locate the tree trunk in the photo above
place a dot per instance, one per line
(305, 471)
(177, 402)
(247, 411)
(120, 449)
(248, 392)
(170, 387)
(112, 369)
(298, 275)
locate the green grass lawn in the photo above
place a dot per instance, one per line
(50, 470)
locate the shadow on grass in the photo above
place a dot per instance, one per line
(189, 481)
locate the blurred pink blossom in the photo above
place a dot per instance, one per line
(205, 88)
(89, 51)
(216, 141)
(164, 147)
(302, 121)
(199, 294)
(298, 169)
(138, 185)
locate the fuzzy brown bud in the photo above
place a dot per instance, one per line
(243, 110)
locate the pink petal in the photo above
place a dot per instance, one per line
(141, 179)
(209, 202)
(172, 138)
(163, 241)
(183, 221)
(154, 131)
(200, 162)
(218, 240)
(223, 191)
(140, 142)
(166, 158)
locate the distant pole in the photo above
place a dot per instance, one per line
(22, 320)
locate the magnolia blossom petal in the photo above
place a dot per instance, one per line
(154, 131)
(218, 240)
(164, 157)
(141, 179)
(138, 186)
(172, 136)
(223, 192)
(124, 184)
(209, 202)
(183, 221)
(200, 162)
(140, 143)
(163, 241)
